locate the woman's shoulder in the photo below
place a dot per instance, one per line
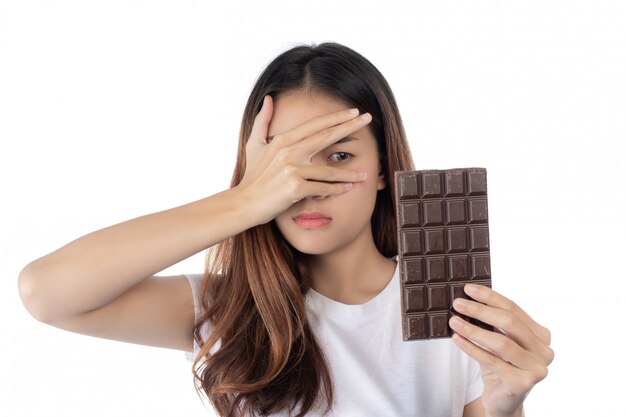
(199, 283)
(197, 278)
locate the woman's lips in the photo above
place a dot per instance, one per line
(312, 220)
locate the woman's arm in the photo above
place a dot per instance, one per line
(102, 284)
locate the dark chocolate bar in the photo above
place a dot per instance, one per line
(443, 244)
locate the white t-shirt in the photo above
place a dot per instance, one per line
(375, 372)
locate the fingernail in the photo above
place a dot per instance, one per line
(354, 111)
(471, 289)
(366, 117)
(460, 303)
(456, 323)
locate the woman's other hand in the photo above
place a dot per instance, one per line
(513, 359)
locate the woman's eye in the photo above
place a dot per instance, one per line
(340, 156)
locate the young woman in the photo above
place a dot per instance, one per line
(298, 310)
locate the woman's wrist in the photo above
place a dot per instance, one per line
(243, 206)
(517, 413)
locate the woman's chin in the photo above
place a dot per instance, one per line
(311, 249)
(310, 246)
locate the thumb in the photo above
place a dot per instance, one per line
(262, 121)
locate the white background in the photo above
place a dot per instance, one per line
(114, 109)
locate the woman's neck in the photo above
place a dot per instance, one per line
(352, 275)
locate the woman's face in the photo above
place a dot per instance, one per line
(351, 211)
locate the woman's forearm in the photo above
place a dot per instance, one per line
(94, 269)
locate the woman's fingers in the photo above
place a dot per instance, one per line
(327, 137)
(324, 173)
(493, 308)
(313, 126)
(505, 320)
(317, 181)
(261, 122)
(517, 381)
(321, 181)
(490, 297)
(499, 345)
(322, 189)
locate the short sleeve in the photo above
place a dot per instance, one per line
(475, 385)
(194, 281)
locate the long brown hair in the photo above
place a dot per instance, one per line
(254, 286)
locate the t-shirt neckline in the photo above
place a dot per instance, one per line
(378, 303)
